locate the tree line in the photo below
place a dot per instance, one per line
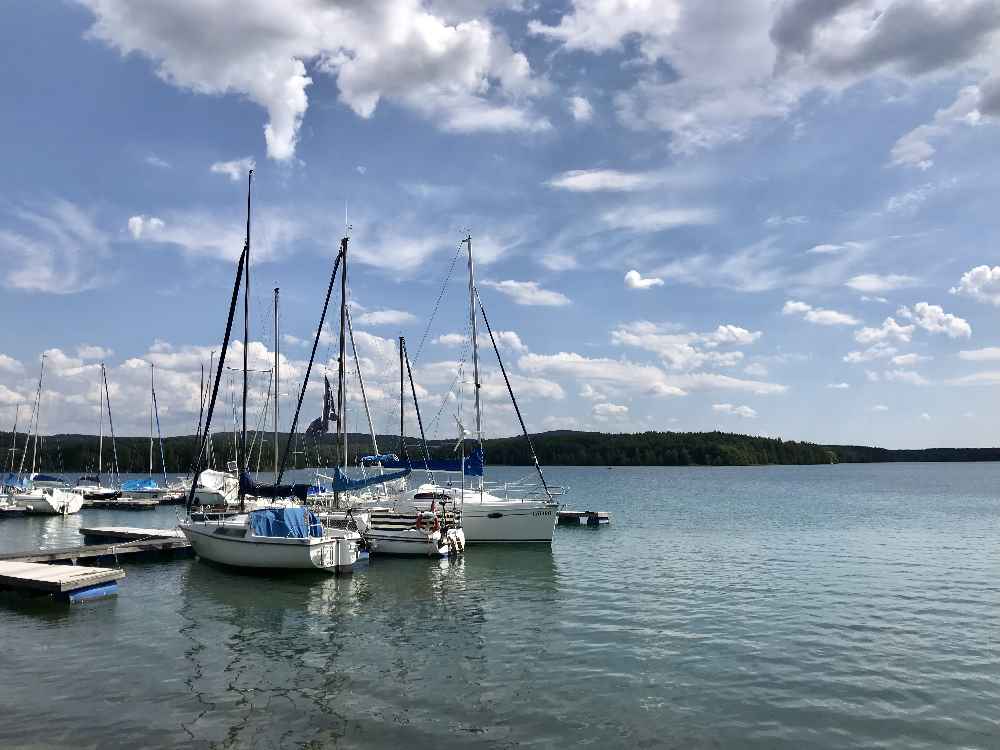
(79, 453)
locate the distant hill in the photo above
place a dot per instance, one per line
(78, 453)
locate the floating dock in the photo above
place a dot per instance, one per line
(71, 583)
(124, 503)
(584, 517)
(104, 534)
(114, 544)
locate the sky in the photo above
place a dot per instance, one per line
(771, 217)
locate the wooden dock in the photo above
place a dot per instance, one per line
(72, 583)
(112, 544)
(584, 517)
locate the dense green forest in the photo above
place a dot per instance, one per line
(79, 453)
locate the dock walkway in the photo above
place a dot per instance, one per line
(70, 582)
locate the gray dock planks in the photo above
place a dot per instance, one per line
(54, 579)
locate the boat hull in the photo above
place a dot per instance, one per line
(509, 523)
(50, 502)
(333, 554)
(416, 542)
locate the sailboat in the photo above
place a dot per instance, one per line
(503, 513)
(149, 488)
(91, 487)
(287, 534)
(39, 493)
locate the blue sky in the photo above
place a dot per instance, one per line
(775, 218)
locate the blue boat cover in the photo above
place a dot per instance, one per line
(473, 463)
(137, 485)
(47, 478)
(295, 523)
(13, 480)
(344, 483)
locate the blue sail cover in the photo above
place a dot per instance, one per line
(285, 523)
(138, 485)
(15, 482)
(344, 483)
(473, 463)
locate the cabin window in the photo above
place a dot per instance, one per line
(233, 532)
(431, 496)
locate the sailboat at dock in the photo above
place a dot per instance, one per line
(286, 534)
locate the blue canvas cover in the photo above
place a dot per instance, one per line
(249, 487)
(295, 523)
(15, 482)
(473, 463)
(137, 485)
(344, 483)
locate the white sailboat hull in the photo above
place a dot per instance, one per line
(50, 501)
(337, 554)
(416, 542)
(509, 522)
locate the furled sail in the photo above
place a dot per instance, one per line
(473, 463)
(343, 483)
(249, 487)
(321, 425)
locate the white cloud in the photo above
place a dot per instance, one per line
(888, 331)
(641, 218)
(839, 386)
(905, 376)
(558, 262)
(982, 283)
(634, 280)
(934, 319)
(736, 411)
(915, 148)
(873, 283)
(908, 360)
(155, 161)
(88, 351)
(756, 369)
(604, 180)
(58, 249)
(451, 339)
(580, 108)
(9, 364)
(835, 249)
(925, 416)
(818, 315)
(234, 169)
(879, 350)
(780, 221)
(460, 74)
(528, 293)
(620, 373)
(986, 354)
(685, 351)
(607, 411)
(702, 381)
(987, 377)
(140, 225)
(880, 407)
(386, 318)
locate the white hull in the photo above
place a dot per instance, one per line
(50, 501)
(416, 542)
(331, 553)
(509, 522)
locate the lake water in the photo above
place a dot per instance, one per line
(785, 607)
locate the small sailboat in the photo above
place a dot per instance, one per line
(91, 486)
(41, 493)
(149, 488)
(285, 535)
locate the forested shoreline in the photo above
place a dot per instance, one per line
(79, 453)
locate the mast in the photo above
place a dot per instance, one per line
(246, 345)
(475, 346)
(159, 433)
(111, 424)
(13, 438)
(150, 420)
(277, 381)
(38, 414)
(341, 371)
(209, 445)
(100, 442)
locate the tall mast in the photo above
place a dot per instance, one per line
(277, 382)
(475, 342)
(341, 365)
(402, 403)
(100, 442)
(111, 424)
(159, 433)
(38, 414)
(246, 329)
(150, 420)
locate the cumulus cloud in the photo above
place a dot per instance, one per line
(88, 351)
(234, 169)
(982, 283)
(386, 318)
(873, 283)
(617, 373)
(818, 315)
(461, 74)
(744, 412)
(635, 280)
(9, 364)
(909, 360)
(606, 410)
(685, 351)
(905, 376)
(879, 350)
(528, 293)
(986, 354)
(890, 330)
(144, 225)
(934, 319)
(580, 108)
(839, 386)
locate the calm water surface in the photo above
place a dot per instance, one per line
(786, 607)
